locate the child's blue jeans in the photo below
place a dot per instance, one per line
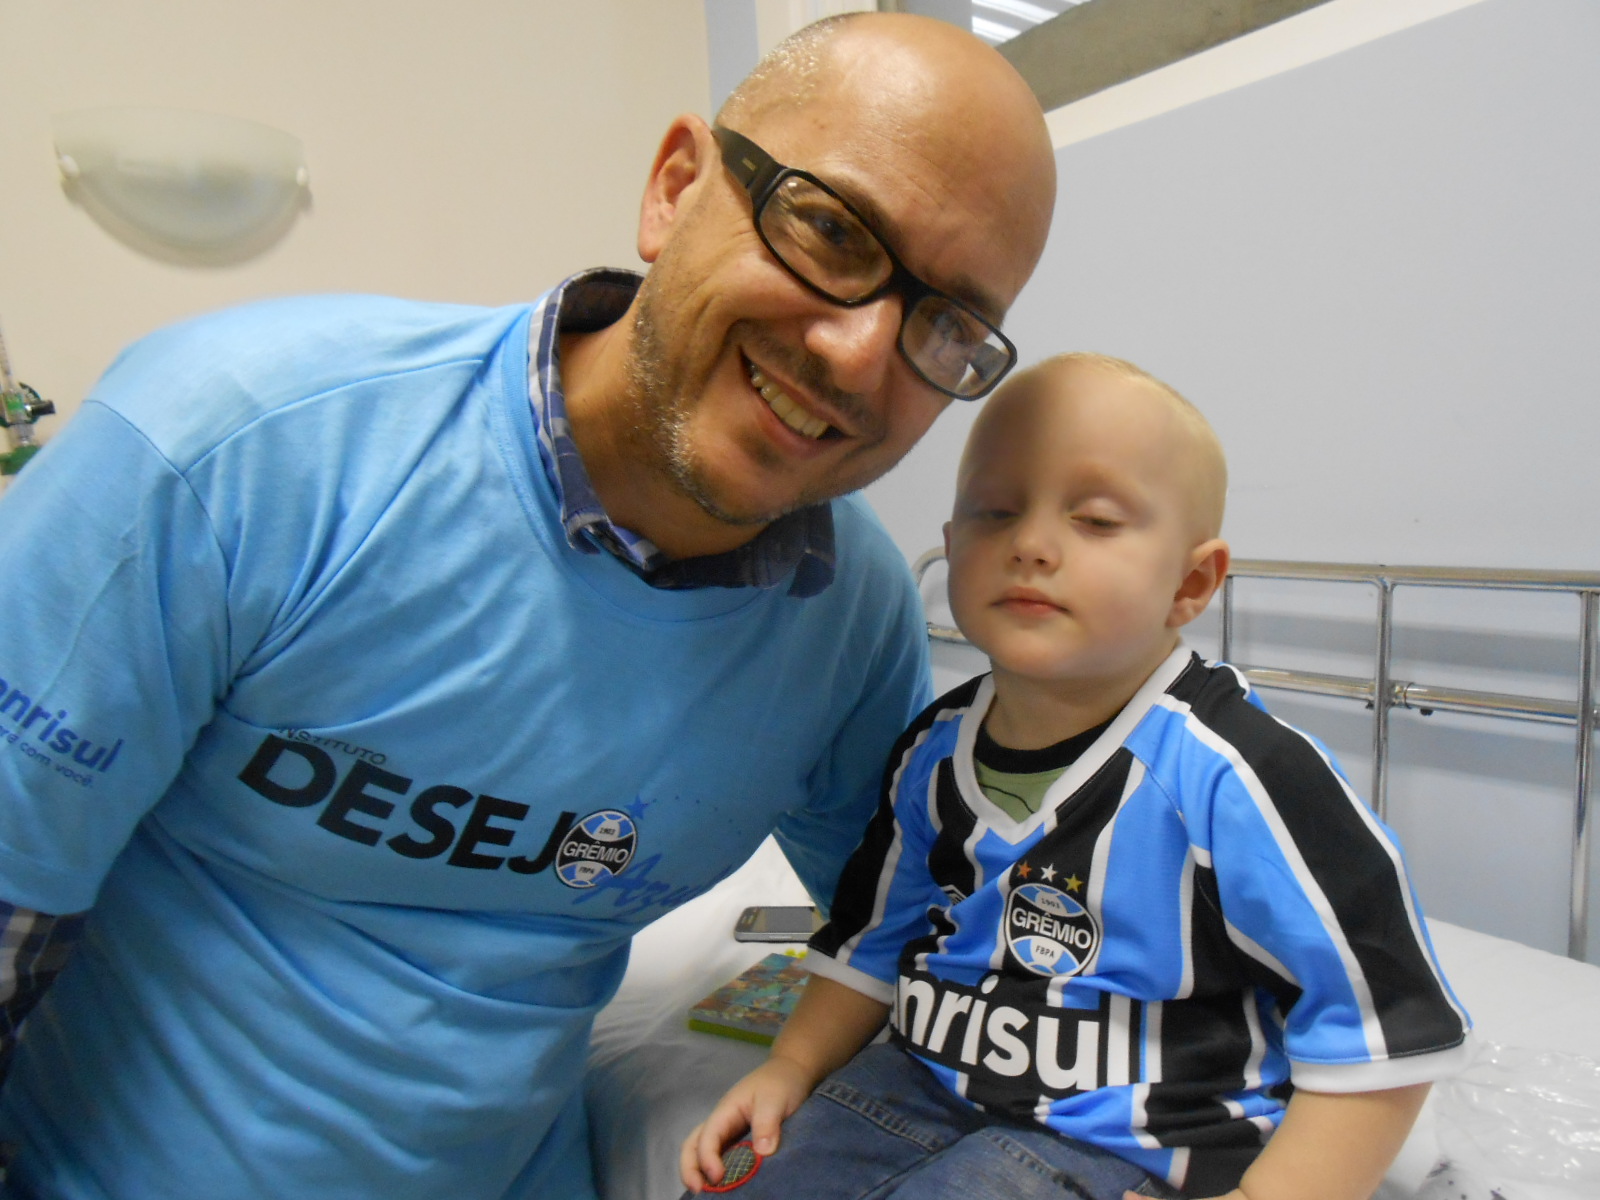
(884, 1126)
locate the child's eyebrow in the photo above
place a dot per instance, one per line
(1117, 488)
(986, 485)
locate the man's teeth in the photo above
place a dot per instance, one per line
(790, 413)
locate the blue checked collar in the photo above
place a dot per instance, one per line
(798, 544)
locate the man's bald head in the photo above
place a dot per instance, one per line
(788, 74)
(924, 82)
(745, 388)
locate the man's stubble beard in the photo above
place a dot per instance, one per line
(661, 408)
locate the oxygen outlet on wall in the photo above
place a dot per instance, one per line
(20, 407)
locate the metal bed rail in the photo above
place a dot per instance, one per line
(1383, 693)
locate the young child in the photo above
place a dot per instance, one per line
(1131, 934)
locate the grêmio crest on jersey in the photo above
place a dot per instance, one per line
(1049, 933)
(1005, 1029)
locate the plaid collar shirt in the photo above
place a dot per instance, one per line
(800, 543)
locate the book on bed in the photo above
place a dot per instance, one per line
(754, 1004)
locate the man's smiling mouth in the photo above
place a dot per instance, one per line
(785, 409)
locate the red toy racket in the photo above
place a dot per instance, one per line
(739, 1163)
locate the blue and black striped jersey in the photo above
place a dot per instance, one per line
(1202, 916)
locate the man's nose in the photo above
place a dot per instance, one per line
(858, 344)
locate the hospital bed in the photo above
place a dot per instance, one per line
(652, 1079)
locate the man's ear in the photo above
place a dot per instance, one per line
(947, 539)
(681, 160)
(1208, 567)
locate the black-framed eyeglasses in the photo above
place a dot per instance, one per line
(824, 243)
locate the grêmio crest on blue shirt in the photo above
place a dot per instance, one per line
(296, 771)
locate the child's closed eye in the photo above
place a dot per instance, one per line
(978, 512)
(1098, 522)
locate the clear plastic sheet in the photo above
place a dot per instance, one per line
(1518, 1125)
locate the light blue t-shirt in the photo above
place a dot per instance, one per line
(368, 775)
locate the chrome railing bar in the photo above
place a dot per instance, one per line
(1500, 579)
(1578, 923)
(1310, 683)
(1418, 697)
(1225, 649)
(1383, 694)
(1538, 709)
(925, 560)
(937, 633)
(1383, 699)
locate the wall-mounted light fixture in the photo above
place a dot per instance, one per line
(188, 187)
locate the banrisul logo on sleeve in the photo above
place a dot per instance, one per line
(599, 847)
(36, 729)
(1049, 932)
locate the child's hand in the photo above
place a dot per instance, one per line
(760, 1102)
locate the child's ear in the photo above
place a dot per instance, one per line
(1208, 567)
(947, 539)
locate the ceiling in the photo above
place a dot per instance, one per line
(997, 21)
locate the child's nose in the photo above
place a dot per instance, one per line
(1036, 542)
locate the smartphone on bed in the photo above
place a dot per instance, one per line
(777, 923)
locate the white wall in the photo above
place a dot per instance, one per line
(475, 151)
(1376, 272)
(1379, 275)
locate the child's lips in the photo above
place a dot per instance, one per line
(1028, 602)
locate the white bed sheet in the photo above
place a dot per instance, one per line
(652, 1079)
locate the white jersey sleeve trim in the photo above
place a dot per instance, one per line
(817, 963)
(1343, 1078)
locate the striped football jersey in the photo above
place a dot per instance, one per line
(1202, 916)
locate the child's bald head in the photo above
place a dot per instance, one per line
(1084, 536)
(1190, 454)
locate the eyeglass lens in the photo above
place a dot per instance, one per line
(820, 239)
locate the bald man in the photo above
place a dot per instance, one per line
(375, 669)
